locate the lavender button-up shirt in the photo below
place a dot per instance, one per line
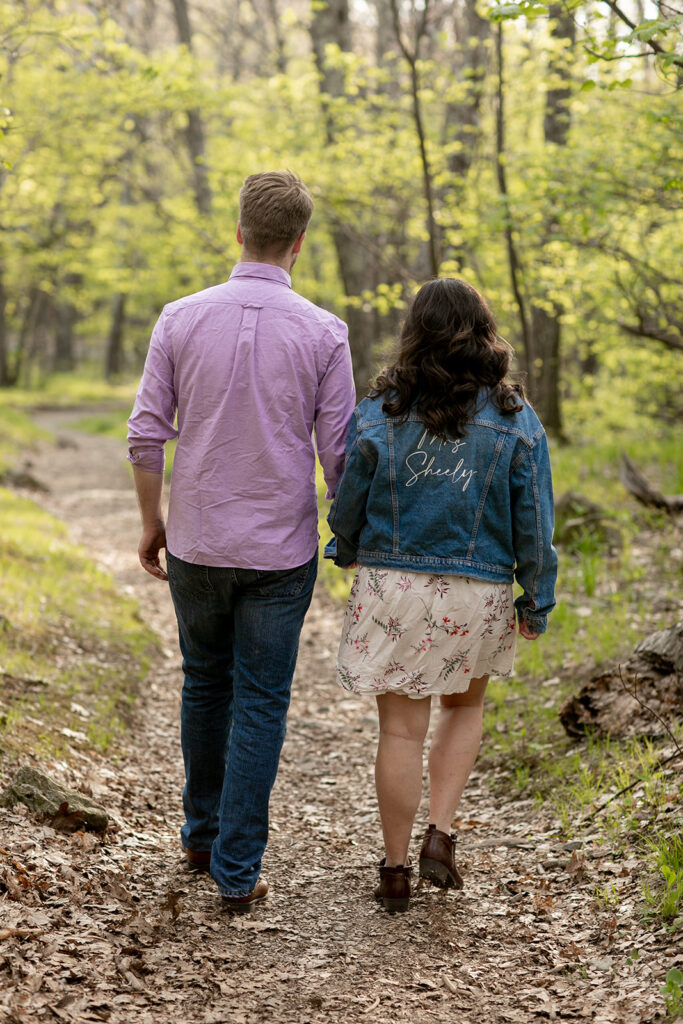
(250, 368)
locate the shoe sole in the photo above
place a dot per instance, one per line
(394, 906)
(241, 908)
(438, 874)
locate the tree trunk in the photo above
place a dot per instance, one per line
(544, 367)
(412, 56)
(514, 263)
(357, 268)
(114, 361)
(4, 362)
(194, 132)
(32, 335)
(330, 24)
(463, 119)
(66, 316)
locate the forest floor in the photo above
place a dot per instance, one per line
(118, 929)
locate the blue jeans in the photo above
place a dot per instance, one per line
(239, 637)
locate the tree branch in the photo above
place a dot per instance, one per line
(652, 43)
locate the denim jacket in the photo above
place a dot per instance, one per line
(480, 505)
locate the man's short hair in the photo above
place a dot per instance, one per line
(275, 208)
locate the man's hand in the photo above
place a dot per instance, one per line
(151, 543)
(526, 632)
(149, 487)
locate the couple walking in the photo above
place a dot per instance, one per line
(442, 496)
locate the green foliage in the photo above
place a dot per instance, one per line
(672, 991)
(107, 207)
(666, 898)
(608, 41)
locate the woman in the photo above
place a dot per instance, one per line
(446, 498)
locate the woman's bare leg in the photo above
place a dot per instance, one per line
(403, 724)
(455, 745)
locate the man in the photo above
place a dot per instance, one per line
(251, 369)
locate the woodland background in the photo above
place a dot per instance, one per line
(534, 150)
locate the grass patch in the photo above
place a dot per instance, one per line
(665, 892)
(17, 433)
(113, 423)
(337, 581)
(64, 390)
(72, 648)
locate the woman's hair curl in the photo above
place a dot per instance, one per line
(449, 353)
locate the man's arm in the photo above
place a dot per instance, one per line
(152, 424)
(334, 407)
(347, 516)
(149, 487)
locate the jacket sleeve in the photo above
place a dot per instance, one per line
(531, 496)
(347, 515)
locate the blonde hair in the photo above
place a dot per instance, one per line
(275, 208)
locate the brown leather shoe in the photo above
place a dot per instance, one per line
(393, 890)
(243, 904)
(198, 860)
(437, 859)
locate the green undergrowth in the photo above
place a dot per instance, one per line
(72, 649)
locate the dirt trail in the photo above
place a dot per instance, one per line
(129, 934)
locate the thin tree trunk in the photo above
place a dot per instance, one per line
(546, 327)
(194, 132)
(31, 335)
(463, 119)
(412, 57)
(64, 359)
(514, 264)
(66, 318)
(4, 362)
(114, 361)
(358, 270)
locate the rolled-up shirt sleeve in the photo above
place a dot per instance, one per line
(335, 402)
(152, 422)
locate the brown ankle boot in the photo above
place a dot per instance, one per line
(393, 890)
(437, 859)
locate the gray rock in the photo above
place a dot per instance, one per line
(68, 809)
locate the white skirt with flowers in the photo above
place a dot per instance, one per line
(421, 634)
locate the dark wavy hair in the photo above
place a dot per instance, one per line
(449, 352)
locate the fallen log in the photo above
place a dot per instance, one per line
(641, 697)
(640, 487)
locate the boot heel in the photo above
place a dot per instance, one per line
(436, 872)
(396, 906)
(393, 891)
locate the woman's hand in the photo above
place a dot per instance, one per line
(526, 631)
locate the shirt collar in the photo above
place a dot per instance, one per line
(264, 270)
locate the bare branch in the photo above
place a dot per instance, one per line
(645, 329)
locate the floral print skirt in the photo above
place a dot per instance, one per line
(421, 634)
